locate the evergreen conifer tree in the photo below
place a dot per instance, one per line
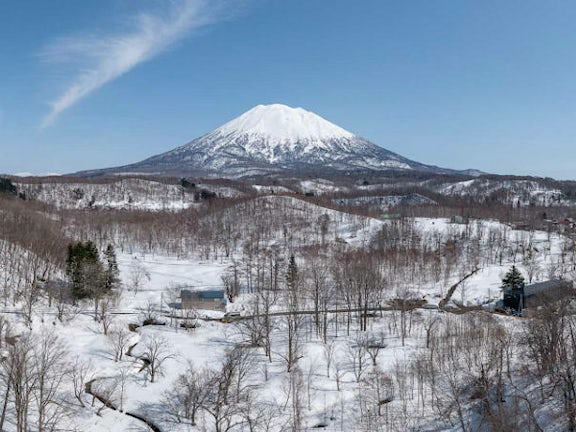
(7, 187)
(513, 280)
(292, 274)
(84, 269)
(112, 273)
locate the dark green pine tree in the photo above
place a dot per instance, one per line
(513, 280)
(292, 274)
(84, 269)
(7, 187)
(112, 277)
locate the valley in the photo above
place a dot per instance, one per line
(339, 309)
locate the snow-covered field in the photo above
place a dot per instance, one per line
(345, 378)
(205, 347)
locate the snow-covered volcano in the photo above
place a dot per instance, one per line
(271, 138)
(280, 123)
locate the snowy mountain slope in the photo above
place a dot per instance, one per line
(510, 191)
(384, 202)
(282, 123)
(124, 193)
(271, 138)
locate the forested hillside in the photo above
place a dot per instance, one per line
(326, 311)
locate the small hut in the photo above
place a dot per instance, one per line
(205, 299)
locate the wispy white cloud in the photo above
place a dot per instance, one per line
(99, 59)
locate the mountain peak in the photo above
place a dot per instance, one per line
(283, 123)
(273, 138)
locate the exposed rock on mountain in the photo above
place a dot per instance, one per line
(272, 138)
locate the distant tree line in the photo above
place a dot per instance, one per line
(7, 187)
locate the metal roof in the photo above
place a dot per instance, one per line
(542, 287)
(204, 294)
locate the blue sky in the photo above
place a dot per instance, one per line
(485, 84)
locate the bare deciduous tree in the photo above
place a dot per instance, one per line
(118, 340)
(80, 374)
(185, 399)
(137, 275)
(357, 356)
(104, 316)
(50, 371)
(329, 349)
(156, 351)
(228, 393)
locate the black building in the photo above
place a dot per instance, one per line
(534, 295)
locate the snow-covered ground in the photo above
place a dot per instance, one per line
(121, 194)
(332, 389)
(206, 346)
(129, 194)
